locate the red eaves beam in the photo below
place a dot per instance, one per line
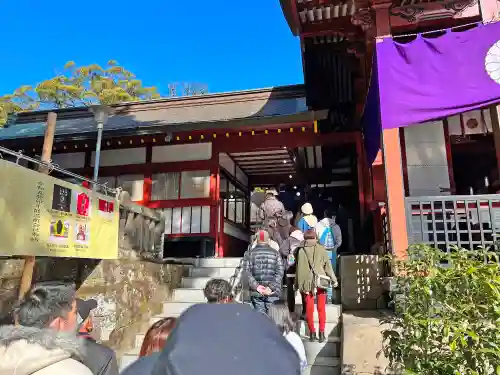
(294, 139)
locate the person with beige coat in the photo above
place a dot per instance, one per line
(44, 341)
(35, 351)
(312, 262)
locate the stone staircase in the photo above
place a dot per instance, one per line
(323, 358)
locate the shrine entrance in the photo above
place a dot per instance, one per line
(302, 165)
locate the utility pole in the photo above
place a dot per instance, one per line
(48, 141)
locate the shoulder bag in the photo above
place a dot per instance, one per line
(319, 281)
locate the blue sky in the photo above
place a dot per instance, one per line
(227, 45)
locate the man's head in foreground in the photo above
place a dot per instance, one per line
(48, 305)
(218, 291)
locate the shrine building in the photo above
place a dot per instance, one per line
(402, 171)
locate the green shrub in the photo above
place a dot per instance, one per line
(447, 313)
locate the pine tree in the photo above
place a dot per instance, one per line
(84, 86)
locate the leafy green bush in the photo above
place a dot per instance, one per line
(447, 313)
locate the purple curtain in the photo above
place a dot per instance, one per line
(431, 78)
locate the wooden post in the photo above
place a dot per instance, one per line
(29, 261)
(391, 152)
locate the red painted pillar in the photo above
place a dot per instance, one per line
(391, 151)
(215, 199)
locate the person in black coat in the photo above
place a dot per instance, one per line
(100, 359)
(263, 268)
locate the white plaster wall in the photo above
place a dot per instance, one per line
(69, 160)
(187, 152)
(426, 159)
(236, 232)
(241, 176)
(484, 123)
(126, 156)
(133, 184)
(226, 162)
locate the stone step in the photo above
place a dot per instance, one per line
(195, 294)
(175, 308)
(333, 312)
(196, 282)
(319, 364)
(139, 338)
(211, 272)
(217, 262)
(316, 349)
(188, 295)
(332, 329)
(126, 360)
(135, 350)
(329, 366)
(185, 261)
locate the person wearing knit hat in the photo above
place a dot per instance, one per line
(263, 268)
(308, 220)
(219, 339)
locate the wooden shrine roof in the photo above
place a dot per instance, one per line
(269, 106)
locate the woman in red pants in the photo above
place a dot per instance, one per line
(313, 276)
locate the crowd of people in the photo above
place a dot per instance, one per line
(52, 335)
(51, 332)
(304, 262)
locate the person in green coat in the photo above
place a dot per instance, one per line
(312, 259)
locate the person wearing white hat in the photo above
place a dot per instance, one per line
(271, 206)
(308, 220)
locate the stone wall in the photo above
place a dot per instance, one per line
(363, 285)
(362, 343)
(10, 276)
(129, 291)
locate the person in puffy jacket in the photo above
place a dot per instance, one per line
(263, 268)
(44, 342)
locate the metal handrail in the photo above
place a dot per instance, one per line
(54, 167)
(236, 281)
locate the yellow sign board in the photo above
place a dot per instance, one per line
(43, 216)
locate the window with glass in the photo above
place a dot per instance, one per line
(180, 185)
(195, 184)
(235, 202)
(133, 184)
(165, 186)
(185, 220)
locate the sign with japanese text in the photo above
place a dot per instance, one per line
(43, 216)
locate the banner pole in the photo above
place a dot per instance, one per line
(48, 141)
